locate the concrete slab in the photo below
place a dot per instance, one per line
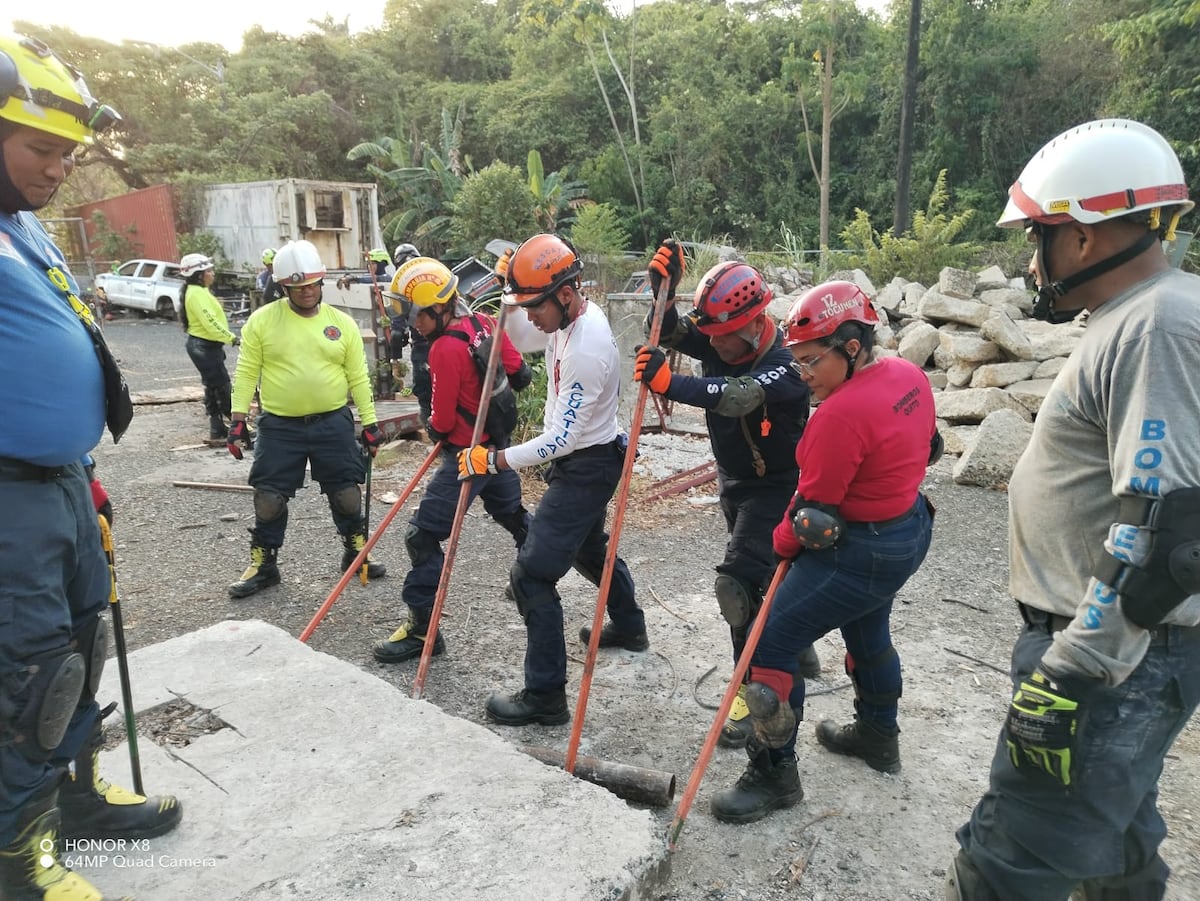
(329, 784)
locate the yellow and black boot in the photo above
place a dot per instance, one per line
(30, 869)
(408, 641)
(92, 807)
(739, 726)
(353, 544)
(261, 573)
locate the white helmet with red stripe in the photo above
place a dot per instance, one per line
(1097, 171)
(298, 263)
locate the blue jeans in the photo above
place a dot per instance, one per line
(501, 495)
(851, 587)
(55, 583)
(568, 530)
(1032, 838)
(284, 445)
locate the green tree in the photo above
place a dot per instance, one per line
(493, 202)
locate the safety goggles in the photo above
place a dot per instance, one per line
(99, 117)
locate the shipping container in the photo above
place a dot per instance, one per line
(145, 218)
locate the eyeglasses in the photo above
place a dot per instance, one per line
(809, 367)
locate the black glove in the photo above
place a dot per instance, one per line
(668, 263)
(521, 378)
(371, 439)
(239, 437)
(434, 435)
(1041, 726)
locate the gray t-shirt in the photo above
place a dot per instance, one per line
(1122, 418)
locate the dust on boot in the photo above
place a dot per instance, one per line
(217, 429)
(408, 641)
(353, 544)
(30, 868)
(542, 708)
(92, 807)
(763, 786)
(877, 746)
(261, 573)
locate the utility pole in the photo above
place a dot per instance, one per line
(908, 106)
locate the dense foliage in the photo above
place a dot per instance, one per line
(695, 117)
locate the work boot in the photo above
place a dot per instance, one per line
(965, 883)
(92, 807)
(544, 708)
(30, 869)
(878, 747)
(261, 573)
(739, 726)
(763, 787)
(353, 544)
(611, 638)
(217, 430)
(408, 641)
(809, 664)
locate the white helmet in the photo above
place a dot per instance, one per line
(1097, 171)
(193, 263)
(298, 263)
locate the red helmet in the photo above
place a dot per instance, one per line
(728, 297)
(821, 309)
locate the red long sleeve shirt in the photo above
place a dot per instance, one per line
(456, 381)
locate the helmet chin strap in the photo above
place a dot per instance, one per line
(1044, 308)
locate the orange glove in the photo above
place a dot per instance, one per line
(502, 264)
(651, 367)
(667, 263)
(476, 461)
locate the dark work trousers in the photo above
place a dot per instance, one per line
(283, 446)
(1033, 838)
(568, 528)
(209, 358)
(851, 587)
(55, 583)
(418, 353)
(501, 495)
(752, 508)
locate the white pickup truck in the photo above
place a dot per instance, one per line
(151, 286)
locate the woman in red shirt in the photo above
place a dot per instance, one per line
(856, 530)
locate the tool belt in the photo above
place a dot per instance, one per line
(1055, 622)
(19, 471)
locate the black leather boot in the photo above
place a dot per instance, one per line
(611, 638)
(353, 544)
(217, 430)
(408, 641)
(544, 708)
(261, 573)
(763, 787)
(809, 664)
(879, 748)
(30, 869)
(92, 807)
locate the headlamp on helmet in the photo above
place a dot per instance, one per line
(40, 90)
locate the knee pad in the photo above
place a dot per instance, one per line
(268, 505)
(739, 602)
(346, 501)
(36, 705)
(525, 599)
(91, 642)
(419, 544)
(856, 669)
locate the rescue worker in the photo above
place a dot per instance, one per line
(425, 292)
(264, 276)
(1104, 536)
(207, 327)
(55, 578)
(755, 407)
(585, 448)
(271, 289)
(856, 529)
(305, 356)
(405, 333)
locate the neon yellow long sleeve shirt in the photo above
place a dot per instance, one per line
(302, 365)
(205, 316)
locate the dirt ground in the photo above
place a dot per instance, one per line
(857, 835)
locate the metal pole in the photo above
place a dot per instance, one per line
(122, 657)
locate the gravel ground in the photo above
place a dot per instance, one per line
(857, 835)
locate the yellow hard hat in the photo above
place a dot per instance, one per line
(422, 282)
(39, 90)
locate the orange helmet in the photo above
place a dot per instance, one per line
(729, 296)
(819, 311)
(539, 267)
